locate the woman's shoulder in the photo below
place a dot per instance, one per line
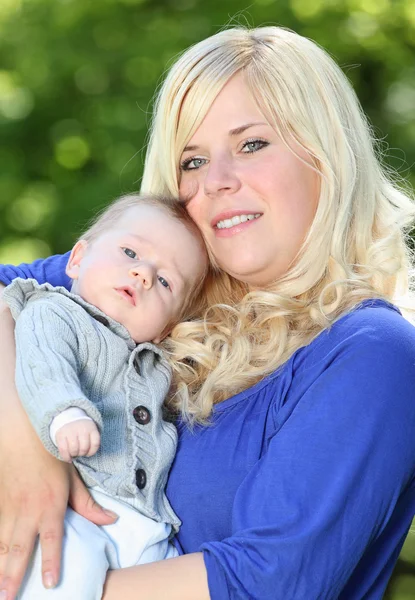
(370, 341)
(373, 322)
(372, 312)
(364, 361)
(374, 333)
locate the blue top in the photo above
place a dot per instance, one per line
(302, 488)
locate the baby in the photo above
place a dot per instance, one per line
(93, 383)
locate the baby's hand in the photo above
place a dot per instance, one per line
(79, 438)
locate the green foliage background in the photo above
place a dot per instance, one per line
(76, 81)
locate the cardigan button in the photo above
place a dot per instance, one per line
(142, 415)
(140, 478)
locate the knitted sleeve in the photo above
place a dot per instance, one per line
(48, 366)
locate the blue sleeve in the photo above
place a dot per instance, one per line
(342, 454)
(50, 270)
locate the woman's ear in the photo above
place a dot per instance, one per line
(75, 259)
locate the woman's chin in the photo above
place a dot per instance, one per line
(252, 274)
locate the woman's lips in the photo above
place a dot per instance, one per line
(233, 229)
(230, 214)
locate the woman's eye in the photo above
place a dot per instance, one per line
(253, 146)
(130, 253)
(190, 164)
(164, 282)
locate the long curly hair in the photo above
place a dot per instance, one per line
(355, 248)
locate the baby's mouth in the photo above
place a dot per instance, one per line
(128, 294)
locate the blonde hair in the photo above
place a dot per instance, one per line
(355, 248)
(104, 221)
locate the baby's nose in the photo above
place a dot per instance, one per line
(145, 273)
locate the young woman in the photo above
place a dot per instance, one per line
(297, 478)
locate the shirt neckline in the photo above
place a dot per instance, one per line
(225, 404)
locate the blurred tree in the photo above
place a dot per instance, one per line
(76, 81)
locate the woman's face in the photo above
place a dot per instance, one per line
(252, 198)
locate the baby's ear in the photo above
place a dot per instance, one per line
(75, 259)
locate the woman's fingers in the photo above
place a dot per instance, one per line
(17, 551)
(6, 531)
(83, 503)
(33, 498)
(20, 549)
(21, 538)
(50, 539)
(19, 534)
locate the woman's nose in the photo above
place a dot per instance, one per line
(221, 177)
(145, 273)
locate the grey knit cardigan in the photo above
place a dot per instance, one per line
(69, 353)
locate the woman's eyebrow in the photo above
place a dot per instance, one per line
(242, 128)
(232, 133)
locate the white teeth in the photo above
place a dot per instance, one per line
(228, 223)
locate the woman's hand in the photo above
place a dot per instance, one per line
(35, 486)
(33, 499)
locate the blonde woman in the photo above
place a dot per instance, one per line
(294, 476)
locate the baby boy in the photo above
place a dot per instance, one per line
(93, 383)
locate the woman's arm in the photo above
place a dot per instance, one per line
(181, 578)
(34, 485)
(324, 511)
(51, 269)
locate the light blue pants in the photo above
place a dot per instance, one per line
(90, 550)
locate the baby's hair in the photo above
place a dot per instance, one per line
(108, 217)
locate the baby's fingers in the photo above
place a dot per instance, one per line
(63, 448)
(73, 446)
(88, 443)
(84, 444)
(95, 441)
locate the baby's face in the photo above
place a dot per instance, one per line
(139, 273)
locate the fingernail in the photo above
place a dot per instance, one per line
(3, 595)
(47, 579)
(109, 513)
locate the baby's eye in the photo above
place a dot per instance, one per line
(130, 253)
(164, 282)
(253, 146)
(190, 164)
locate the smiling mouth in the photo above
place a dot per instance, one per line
(237, 220)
